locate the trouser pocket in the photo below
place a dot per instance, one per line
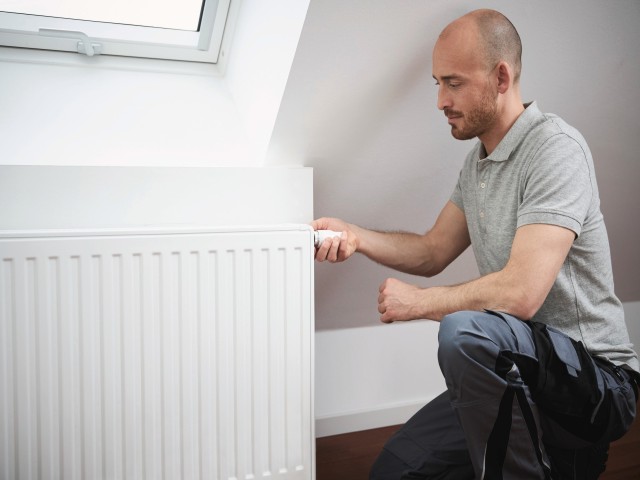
(568, 386)
(620, 399)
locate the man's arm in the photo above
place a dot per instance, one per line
(426, 254)
(520, 288)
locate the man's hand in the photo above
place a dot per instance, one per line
(336, 249)
(399, 301)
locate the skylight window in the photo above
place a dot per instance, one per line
(180, 30)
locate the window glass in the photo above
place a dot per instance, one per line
(179, 15)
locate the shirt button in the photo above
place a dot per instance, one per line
(481, 214)
(482, 185)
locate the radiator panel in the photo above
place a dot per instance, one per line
(157, 355)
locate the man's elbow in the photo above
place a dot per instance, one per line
(525, 314)
(430, 271)
(523, 304)
(431, 266)
(528, 310)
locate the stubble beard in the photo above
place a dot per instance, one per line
(479, 119)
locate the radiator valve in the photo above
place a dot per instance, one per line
(319, 236)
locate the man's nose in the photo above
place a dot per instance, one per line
(444, 100)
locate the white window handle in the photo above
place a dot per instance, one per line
(85, 44)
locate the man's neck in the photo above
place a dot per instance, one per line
(504, 122)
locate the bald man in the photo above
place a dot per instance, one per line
(535, 352)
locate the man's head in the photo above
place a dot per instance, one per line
(476, 63)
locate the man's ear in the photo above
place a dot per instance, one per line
(505, 77)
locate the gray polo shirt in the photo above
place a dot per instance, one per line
(542, 172)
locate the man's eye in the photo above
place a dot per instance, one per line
(454, 85)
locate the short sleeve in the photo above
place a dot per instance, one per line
(558, 185)
(456, 196)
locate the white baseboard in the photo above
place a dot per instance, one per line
(367, 419)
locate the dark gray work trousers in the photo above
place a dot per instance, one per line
(454, 436)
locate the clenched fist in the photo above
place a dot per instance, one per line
(399, 301)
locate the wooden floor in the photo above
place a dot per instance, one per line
(349, 456)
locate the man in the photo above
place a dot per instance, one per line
(527, 202)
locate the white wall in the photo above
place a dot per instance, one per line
(371, 377)
(88, 197)
(264, 44)
(86, 113)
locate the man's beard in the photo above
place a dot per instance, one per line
(478, 120)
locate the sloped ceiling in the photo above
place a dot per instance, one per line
(360, 107)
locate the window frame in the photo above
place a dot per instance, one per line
(102, 38)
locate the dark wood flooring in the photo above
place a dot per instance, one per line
(349, 456)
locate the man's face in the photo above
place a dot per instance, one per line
(465, 92)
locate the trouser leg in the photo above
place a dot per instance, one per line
(447, 438)
(493, 405)
(431, 445)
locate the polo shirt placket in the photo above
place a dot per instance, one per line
(483, 172)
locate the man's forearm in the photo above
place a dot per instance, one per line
(399, 301)
(490, 292)
(402, 251)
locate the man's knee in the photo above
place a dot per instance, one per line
(475, 339)
(470, 333)
(461, 334)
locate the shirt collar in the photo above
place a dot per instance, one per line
(514, 136)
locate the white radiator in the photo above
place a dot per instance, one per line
(157, 355)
